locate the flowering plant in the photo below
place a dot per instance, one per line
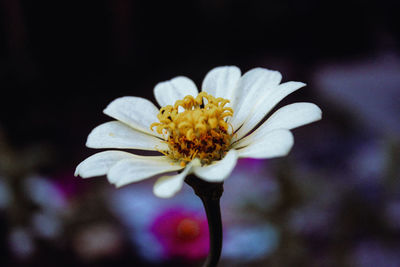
(201, 133)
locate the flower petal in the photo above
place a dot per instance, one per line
(287, 117)
(168, 92)
(115, 134)
(220, 170)
(222, 82)
(99, 163)
(292, 116)
(139, 168)
(137, 112)
(253, 85)
(265, 104)
(168, 186)
(275, 143)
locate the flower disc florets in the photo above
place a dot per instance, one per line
(196, 128)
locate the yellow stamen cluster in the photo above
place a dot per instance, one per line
(196, 128)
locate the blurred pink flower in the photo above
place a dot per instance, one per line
(182, 234)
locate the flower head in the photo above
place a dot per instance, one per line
(202, 133)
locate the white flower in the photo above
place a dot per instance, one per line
(201, 133)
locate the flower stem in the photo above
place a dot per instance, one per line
(210, 194)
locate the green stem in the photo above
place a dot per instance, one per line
(210, 194)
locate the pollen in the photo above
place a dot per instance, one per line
(195, 127)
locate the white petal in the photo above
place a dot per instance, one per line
(115, 134)
(253, 85)
(265, 104)
(287, 117)
(292, 116)
(139, 168)
(99, 163)
(222, 82)
(168, 92)
(220, 170)
(137, 112)
(276, 143)
(168, 186)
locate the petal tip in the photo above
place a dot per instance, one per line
(316, 112)
(290, 141)
(118, 185)
(319, 111)
(109, 108)
(163, 194)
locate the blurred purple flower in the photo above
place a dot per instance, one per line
(368, 88)
(182, 233)
(43, 192)
(47, 225)
(312, 220)
(54, 206)
(374, 254)
(250, 185)
(368, 162)
(21, 242)
(137, 210)
(250, 242)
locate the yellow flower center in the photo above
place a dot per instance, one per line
(196, 128)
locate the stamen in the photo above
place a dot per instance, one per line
(195, 128)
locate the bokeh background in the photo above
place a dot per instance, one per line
(334, 201)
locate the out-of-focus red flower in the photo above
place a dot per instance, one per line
(182, 234)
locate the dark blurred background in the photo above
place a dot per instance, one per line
(334, 201)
